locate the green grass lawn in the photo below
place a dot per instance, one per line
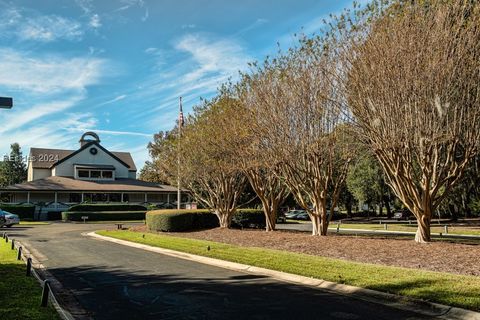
(407, 227)
(449, 289)
(20, 295)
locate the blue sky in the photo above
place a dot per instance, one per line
(117, 67)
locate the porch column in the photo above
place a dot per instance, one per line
(82, 197)
(122, 198)
(168, 197)
(28, 197)
(146, 198)
(56, 200)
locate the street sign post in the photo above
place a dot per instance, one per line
(6, 103)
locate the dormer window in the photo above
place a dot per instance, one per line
(94, 172)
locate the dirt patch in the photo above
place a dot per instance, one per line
(435, 256)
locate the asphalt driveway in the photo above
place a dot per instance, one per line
(111, 281)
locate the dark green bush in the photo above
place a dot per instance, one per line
(103, 215)
(249, 218)
(24, 211)
(96, 207)
(172, 220)
(54, 215)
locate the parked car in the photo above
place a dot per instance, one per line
(9, 218)
(402, 215)
(302, 216)
(292, 214)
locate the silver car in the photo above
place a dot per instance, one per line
(9, 218)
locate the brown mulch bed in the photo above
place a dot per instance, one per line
(436, 256)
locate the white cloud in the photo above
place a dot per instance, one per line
(221, 57)
(95, 21)
(44, 88)
(118, 98)
(49, 28)
(85, 5)
(259, 22)
(19, 119)
(48, 74)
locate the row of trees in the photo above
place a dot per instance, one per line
(397, 81)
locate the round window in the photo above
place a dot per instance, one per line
(93, 151)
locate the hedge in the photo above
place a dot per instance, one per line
(187, 220)
(90, 207)
(249, 218)
(173, 220)
(24, 211)
(103, 215)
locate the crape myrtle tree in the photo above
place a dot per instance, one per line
(251, 150)
(298, 110)
(158, 169)
(208, 165)
(414, 91)
(202, 158)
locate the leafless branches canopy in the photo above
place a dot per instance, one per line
(414, 90)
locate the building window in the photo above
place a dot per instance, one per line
(83, 174)
(107, 174)
(95, 174)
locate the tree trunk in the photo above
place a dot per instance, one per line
(319, 220)
(270, 210)
(349, 209)
(423, 230)
(224, 218)
(389, 210)
(270, 222)
(453, 212)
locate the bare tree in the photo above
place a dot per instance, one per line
(414, 91)
(298, 107)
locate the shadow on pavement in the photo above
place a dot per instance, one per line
(119, 294)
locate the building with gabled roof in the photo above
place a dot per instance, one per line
(58, 178)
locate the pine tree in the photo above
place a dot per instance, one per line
(13, 169)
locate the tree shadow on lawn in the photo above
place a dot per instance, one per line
(124, 294)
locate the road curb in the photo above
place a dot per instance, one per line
(67, 308)
(422, 307)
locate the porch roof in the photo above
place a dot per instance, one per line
(69, 184)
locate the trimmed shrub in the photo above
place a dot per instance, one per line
(101, 207)
(103, 215)
(24, 211)
(188, 220)
(172, 220)
(249, 218)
